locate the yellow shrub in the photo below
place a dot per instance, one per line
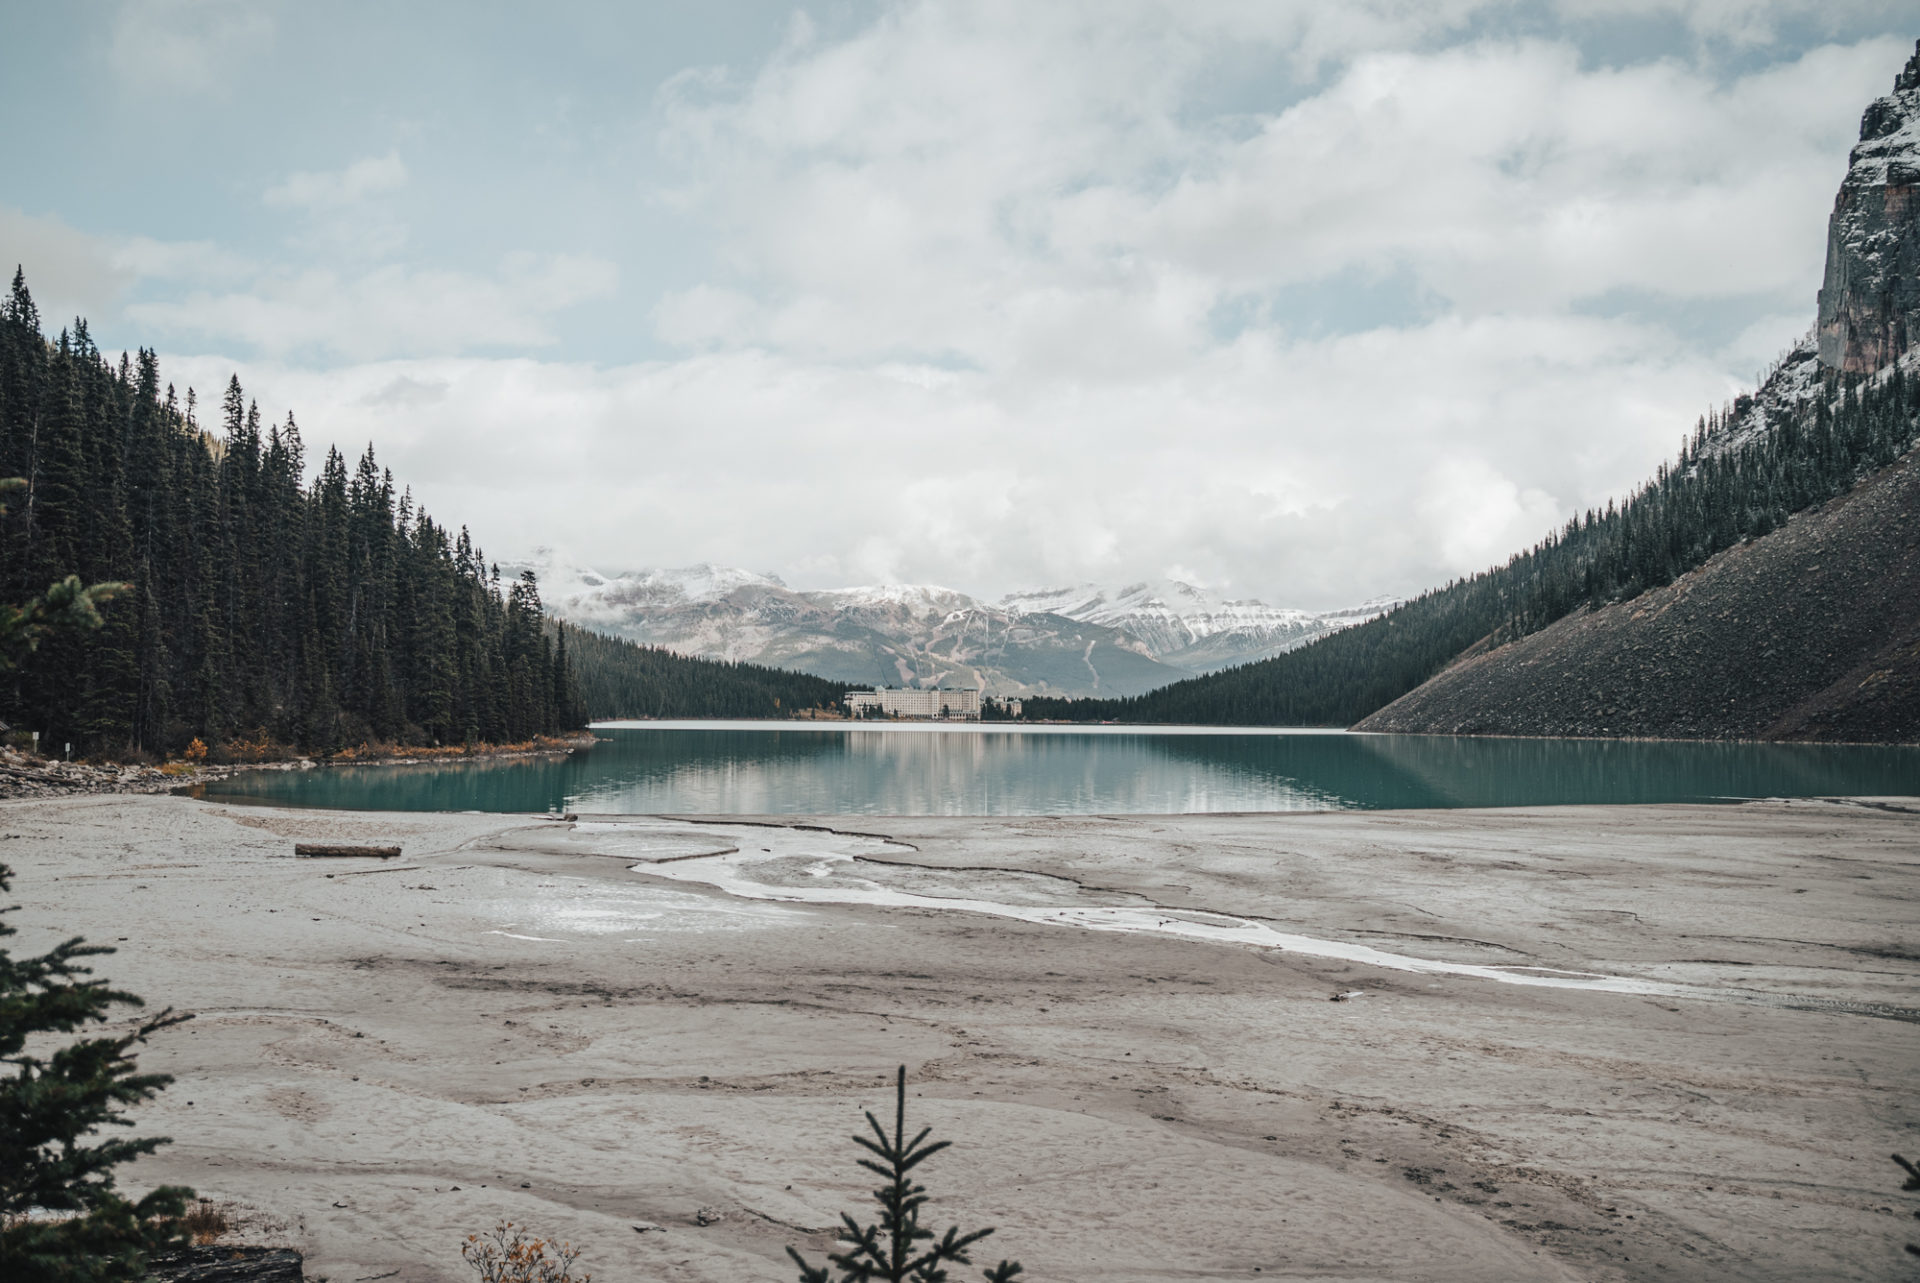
(508, 1254)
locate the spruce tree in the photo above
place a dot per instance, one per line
(50, 1107)
(897, 1247)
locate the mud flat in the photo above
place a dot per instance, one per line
(1609, 1043)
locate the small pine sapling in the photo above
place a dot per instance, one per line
(898, 1248)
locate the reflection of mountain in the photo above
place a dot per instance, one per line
(1079, 641)
(873, 772)
(857, 771)
(1391, 771)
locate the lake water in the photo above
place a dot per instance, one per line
(766, 768)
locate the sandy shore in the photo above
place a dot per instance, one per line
(513, 1022)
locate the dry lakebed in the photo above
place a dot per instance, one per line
(1637, 1042)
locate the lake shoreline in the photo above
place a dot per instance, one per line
(1057, 726)
(24, 776)
(516, 1019)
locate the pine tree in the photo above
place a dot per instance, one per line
(51, 1106)
(897, 1247)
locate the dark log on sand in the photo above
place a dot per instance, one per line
(228, 1265)
(328, 849)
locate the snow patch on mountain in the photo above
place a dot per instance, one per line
(1190, 627)
(920, 601)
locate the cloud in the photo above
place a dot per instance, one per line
(1008, 195)
(1741, 24)
(69, 272)
(327, 313)
(1312, 301)
(1507, 177)
(1259, 469)
(201, 262)
(390, 310)
(187, 46)
(706, 315)
(1479, 515)
(328, 190)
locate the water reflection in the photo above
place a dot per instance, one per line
(746, 770)
(1376, 772)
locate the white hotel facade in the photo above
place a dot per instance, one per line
(939, 705)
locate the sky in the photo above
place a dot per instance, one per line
(1307, 302)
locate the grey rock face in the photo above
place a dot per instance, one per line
(1870, 301)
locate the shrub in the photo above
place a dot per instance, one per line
(205, 1222)
(508, 1254)
(892, 1248)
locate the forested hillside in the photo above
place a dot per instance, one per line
(1811, 633)
(321, 614)
(620, 678)
(1732, 482)
(267, 607)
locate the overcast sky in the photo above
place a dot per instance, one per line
(1305, 301)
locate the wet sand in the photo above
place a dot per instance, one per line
(1579, 1043)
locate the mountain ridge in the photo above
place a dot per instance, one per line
(1083, 640)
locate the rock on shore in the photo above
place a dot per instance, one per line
(25, 776)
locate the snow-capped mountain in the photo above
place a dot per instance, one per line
(1189, 627)
(1073, 641)
(889, 634)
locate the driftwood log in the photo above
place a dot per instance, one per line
(228, 1265)
(331, 849)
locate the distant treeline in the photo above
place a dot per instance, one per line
(625, 679)
(1721, 491)
(263, 606)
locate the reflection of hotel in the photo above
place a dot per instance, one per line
(933, 705)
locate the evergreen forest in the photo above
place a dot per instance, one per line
(259, 605)
(650, 681)
(1728, 485)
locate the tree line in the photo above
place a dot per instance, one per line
(1729, 484)
(619, 678)
(257, 604)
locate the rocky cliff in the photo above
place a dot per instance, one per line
(1870, 299)
(1812, 633)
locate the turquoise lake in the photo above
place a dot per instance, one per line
(769, 768)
